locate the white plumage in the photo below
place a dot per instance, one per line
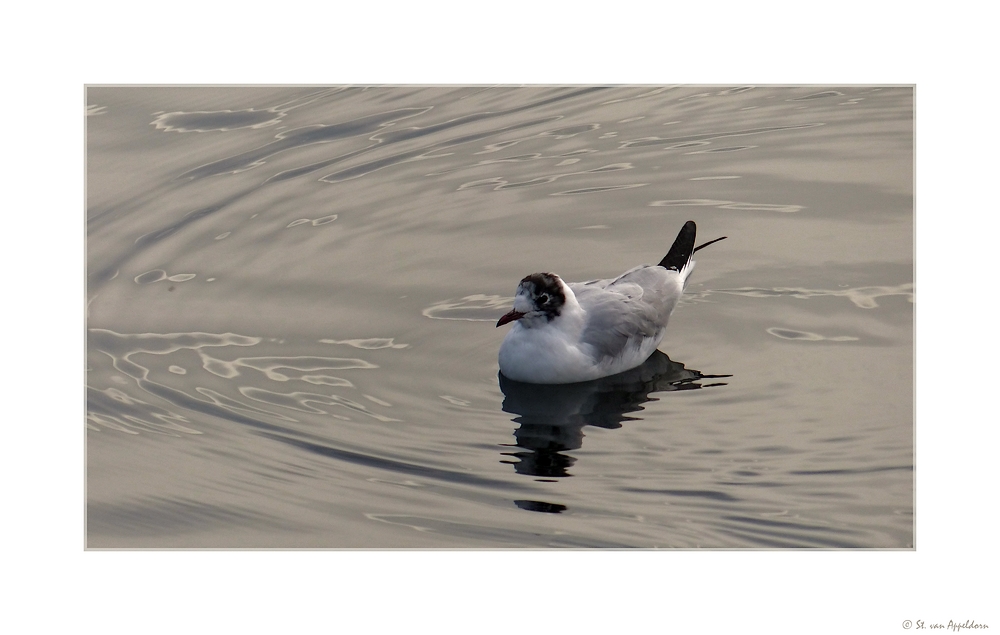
(566, 333)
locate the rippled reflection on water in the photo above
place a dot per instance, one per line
(551, 418)
(292, 295)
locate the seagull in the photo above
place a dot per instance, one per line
(581, 331)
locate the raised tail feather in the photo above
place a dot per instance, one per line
(681, 251)
(683, 248)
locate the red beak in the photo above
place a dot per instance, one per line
(510, 317)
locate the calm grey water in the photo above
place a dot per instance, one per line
(292, 293)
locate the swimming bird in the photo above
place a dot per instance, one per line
(567, 333)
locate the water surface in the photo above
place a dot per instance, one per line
(292, 293)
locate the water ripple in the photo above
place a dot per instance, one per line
(790, 334)
(371, 343)
(594, 190)
(114, 408)
(422, 152)
(862, 297)
(394, 137)
(267, 365)
(686, 493)
(710, 136)
(822, 95)
(727, 149)
(299, 137)
(299, 401)
(570, 131)
(456, 532)
(392, 465)
(785, 534)
(720, 204)
(157, 516)
(218, 120)
(226, 120)
(869, 470)
(500, 183)
(650, 93)
(156, 275)
(471, 308)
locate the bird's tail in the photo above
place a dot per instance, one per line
(679, 256)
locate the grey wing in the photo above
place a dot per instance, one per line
(624, 312)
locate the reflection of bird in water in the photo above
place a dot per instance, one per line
(565, 333)
(552, 417)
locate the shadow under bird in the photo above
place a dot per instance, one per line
(581, 331)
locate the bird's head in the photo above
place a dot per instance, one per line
(539, 299)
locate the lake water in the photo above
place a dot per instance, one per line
(292, 296)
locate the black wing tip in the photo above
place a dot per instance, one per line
(682, 249)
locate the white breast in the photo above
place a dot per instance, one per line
(544, 356)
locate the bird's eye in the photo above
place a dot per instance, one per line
(543, 299)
